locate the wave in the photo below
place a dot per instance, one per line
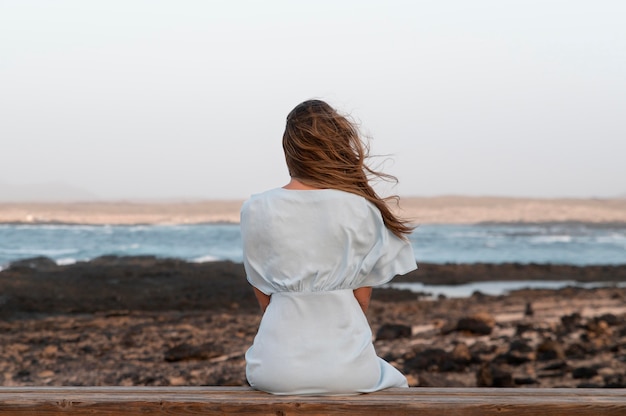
(65, 261)
(205, 259)
(551, 239)
(34, 251)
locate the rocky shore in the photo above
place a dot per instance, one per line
(148, 321)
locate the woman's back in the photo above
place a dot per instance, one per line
(309, 250)
(318, 240)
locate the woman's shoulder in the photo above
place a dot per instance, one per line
(305, 196)
(337, 203)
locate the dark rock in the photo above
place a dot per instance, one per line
(570, 322)
(584, 372)
(481, 350)
(34, 263)
(23, 376)
(490, 375)
(576, 351)
(528, 311)
(480, 324)
(558, 365)
(437, 380)
(520, 345)
(432, 359)
(610, 319)
(550, 350)
(184, 352)
(388, 294)
(589, 385)
(615, 381)
(520, 329)
(393, 331)
(519, 353)
(524, 381)
(554, 370)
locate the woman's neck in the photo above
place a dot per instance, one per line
(295, 184)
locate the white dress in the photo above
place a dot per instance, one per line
(309, 249)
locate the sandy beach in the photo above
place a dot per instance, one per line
(422, 210)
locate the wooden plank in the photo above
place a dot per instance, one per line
(52, 401)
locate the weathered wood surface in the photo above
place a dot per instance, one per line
(124, 401)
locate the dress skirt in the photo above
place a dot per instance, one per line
(317, 343)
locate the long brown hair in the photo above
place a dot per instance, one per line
(324, 149)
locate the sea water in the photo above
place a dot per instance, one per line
(556, 243)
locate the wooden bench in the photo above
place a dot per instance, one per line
(244, 401)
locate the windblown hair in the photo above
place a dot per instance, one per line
(324, 149)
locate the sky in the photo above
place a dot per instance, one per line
(154, 99)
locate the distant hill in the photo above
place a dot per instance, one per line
(44, 192)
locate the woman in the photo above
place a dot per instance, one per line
(313, 249)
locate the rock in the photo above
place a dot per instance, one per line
(520, 345)
(519, 352)
(558, 365)
(50, 351)
(550, 350)
(528, 311)
(589, 385)
(576, 351)
(490, 375)
(584, 372)
(524, 381)
(114, 323)
(461, 354)
(34, 263)
(615, 381)
(432, 359)
(521, 328)
(479, 323)
(610, 319)
(571, 321)
(598, 329)
(447, 328)
(184, 352)
(176, 381)
(393, 331)
(480, 350)
(556, 369)
(438, 380)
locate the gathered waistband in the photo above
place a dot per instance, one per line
(313, 292)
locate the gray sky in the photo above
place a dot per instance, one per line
(170, 99)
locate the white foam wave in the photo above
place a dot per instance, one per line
(551, 239)
(204, 259)
(65, 261)
(39, 251)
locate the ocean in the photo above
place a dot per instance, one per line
(554, 243)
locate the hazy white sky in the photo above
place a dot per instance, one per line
(159, 99)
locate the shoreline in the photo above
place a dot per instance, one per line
(162, 322)
(419, 210)
(148, 283)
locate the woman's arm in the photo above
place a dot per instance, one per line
(263, 299)
(363, 296)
